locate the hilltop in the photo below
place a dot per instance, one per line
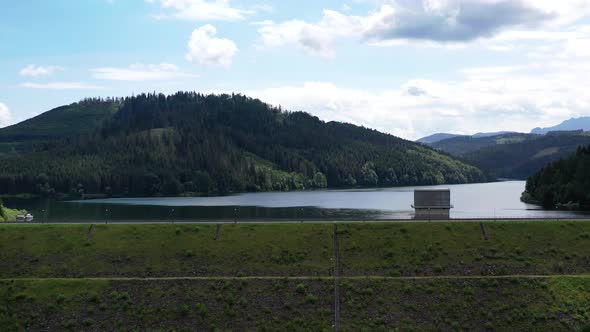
(437, 137)
(152, 144)
(62, 121)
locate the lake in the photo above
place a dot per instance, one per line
(481, 200)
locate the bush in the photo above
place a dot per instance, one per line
(367, 291)
(311, 299)
(201, 310)
(68, 324)
(122, 296)
(93, 298)
(300, 288)
(184, 310)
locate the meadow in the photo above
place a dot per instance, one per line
(522, 276)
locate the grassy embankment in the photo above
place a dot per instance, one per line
(514, 280)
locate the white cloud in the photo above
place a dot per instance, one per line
(206, 49)
(482, 100)
(33, 70)
(317, 39)
(140, 72)
(62, 86)
(571, 43)
(5, 118)
(426, 22)
(491, 72)
(578, 48)
(203, 10)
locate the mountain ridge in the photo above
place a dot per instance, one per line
(514, 156)
(437, 137)
(567, 125)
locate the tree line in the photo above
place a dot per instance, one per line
(562, 184)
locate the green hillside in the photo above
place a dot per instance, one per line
(63, 121)
(59, 123)
(562, 184)
(462, 145)
(188, 143)
(514, 156)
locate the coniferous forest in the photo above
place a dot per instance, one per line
(562, 184)
(190, 143)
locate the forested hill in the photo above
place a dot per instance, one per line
(193, 143)
(514, 155)
(562, 184)
(63, 121)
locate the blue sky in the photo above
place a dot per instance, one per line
(406, 67)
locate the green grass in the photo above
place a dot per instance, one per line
(266, 305)
(554, 304)
(457, 248)
(372, 256)
(391, 249)
(467, 305)
(165, 250)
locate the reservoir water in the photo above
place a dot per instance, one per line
(482, 200)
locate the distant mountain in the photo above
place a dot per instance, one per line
(514, 155)
(462, 145)
(153, 144)
(436, 138)
(567, 125)
(497, 133)
(519, 160)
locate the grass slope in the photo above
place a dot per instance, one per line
(391, 249)
(453, 248)
(165, 305)
(556, 304)
(515, 304)
(164, 250)
(394, 276)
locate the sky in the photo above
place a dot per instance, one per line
(406, 67)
